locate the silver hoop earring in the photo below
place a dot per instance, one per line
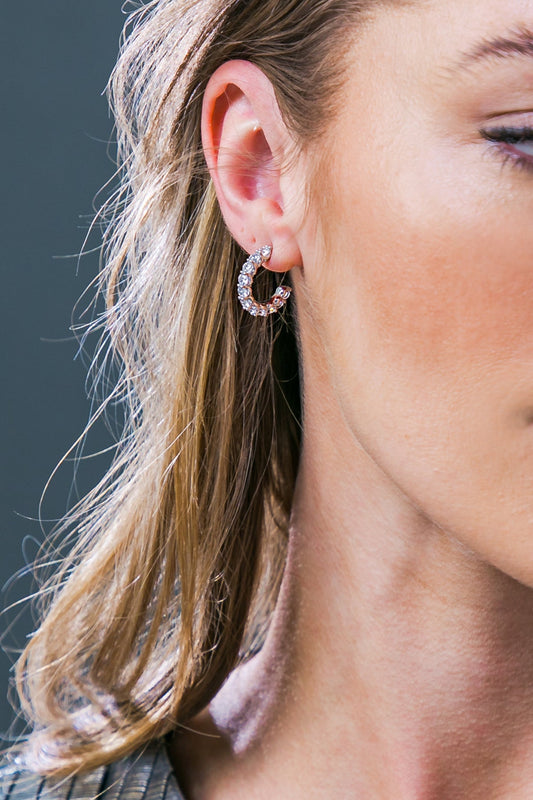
(244, 286)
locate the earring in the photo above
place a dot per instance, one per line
(244, 286)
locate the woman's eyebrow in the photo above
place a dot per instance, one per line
(518, 41)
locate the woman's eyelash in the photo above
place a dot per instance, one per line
(504, 141)
(508, 135)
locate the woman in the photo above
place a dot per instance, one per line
(381, 154)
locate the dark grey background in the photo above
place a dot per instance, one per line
(55, 58)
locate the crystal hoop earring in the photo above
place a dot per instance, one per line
(244, 286)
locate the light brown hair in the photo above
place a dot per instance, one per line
(179, 551)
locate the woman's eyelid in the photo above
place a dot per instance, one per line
(509, 119)
(511, 126)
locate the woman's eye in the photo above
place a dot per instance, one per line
(525, 147)
(515, 144)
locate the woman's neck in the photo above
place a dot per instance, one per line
(399, 666)
(422, 653)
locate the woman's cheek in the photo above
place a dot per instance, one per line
(440, 277)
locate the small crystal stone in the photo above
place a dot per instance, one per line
(244, 292)
(254, 310)
(266, 252)
(245, 280)
(249, 268)
(277, 302)
(256, 258)
(263, 311)
(247, 304)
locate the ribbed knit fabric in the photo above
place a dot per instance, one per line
(144, 775)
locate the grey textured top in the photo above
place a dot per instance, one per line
(144, 775)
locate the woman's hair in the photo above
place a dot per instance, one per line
(178, 552)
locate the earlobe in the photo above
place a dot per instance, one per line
(244, 139)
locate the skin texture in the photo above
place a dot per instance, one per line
(400, 660)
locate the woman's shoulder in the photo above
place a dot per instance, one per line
(144, 775)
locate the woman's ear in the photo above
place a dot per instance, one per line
(245, 143)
